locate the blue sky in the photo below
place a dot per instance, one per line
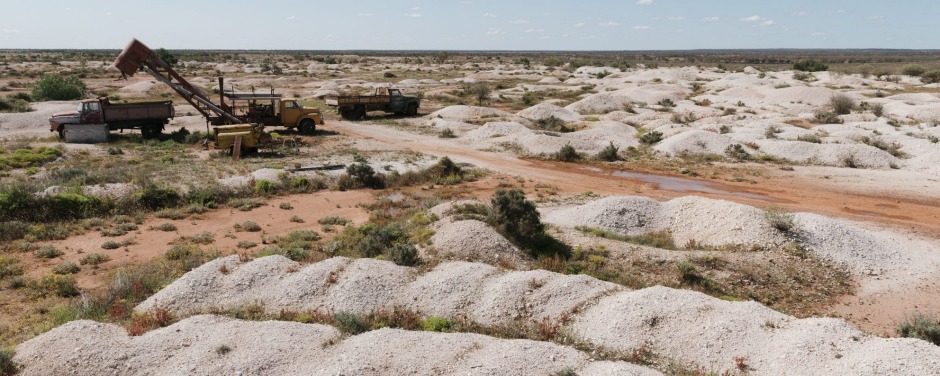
(472, 24)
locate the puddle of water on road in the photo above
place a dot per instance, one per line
(675, 184)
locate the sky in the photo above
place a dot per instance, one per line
(471, 24)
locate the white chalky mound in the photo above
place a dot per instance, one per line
(472, 240)
(547, 110)
(191, 347)
(461, 112)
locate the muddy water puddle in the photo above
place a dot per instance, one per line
(676, 184)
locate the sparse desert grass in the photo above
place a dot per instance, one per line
(333, 220)
(48, 252)
(94, 259)
(921, 326)
(110, 244)
(166, 227)
(66, 268)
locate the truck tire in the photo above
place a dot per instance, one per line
(61, 131)
(412, 109)
(360, 113)
(307, 127)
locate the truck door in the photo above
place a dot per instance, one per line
(396, 101)
(91, 113)
(290, 112)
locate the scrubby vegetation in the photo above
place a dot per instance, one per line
(921, 326)
(56, 87)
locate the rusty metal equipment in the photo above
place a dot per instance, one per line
(137, 56)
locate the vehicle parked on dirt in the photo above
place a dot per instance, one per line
(355, 107)
(273, 110)
(149, 117)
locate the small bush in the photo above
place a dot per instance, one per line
(265, 187)
(931, 77)
(10, 267)
(285, 206)
(66, 268)
(155, 198)
(515, 216)
(737, 152)
(166, 227)
(350, 323)
(296, 219)
(827, 117)
(13, 230)
(181, 251)
(174, 214)
(447, 133)
(567, 154)
(920, 326)
(436, 324)
(809, 138)
(113, 232)
(94, 259)
(666, 102)
(204, 237)
(48, 252)
(56, 87)
(841, 104)
(60, 285)
(7, 366)
(246, 204)
(553, 124)
(810, 66)
(878, 109)
(402, 254)
(779, 219)
(249, 226)
(610, 153)
(914, 70)
(651, 138)
(333, 220)
(246, 244)
(361, 175)
(110, 245)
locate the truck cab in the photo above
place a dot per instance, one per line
(87, 112)
(273, 110)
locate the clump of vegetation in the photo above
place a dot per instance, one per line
(28, 157)
(914, 70)
(246, 204)
(779, 219)
(246, 244)
(737, 152)
(567, 153)
(553, 124)
(333, 220)
(447, 133)
(436, 324)
(249, 226)
(285, 206)
(920, 326)
(204, 237)
(56, 87)
(174, 214)
(7, 366)
(66, 268)
(166, 227)
(54, 284)
(841, 104)
(360, 175)
(14, 105)
(110, 244)
(651, 138)
(94, 259)
(809, 138)
(155, 198)
(827, 117)
(48, 252)
(296, 245)
(517, 219)
(810, 66)
(610, 153)
(10, 267)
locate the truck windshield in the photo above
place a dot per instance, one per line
(79, 107)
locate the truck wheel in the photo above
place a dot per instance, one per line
(412, 109)
(359, 113)
(307, 127)
(61, 131)
(150, 131)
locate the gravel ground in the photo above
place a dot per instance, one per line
(194, 346)
(473, 240)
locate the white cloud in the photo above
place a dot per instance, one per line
(644, 2)
(494, 31)
(754, 18)
(366, 14)
(801, 13)
(641, 27)
(669, 18)
(466, 2)
(608, 24)
(489, 15)
(11, 31)
(416, 8)
(818, 34)
(519, 22)
(876, 17)
(291, 18)
(767, 23)
(579, 24)
(413, 15)
(711, 19)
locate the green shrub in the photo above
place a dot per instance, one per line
(878, 109)
(810, 66)
(553, 124)
(567, 154)
(914, 70)
(920, 326)
(166, 227)
(447, 133)
(113, 232)
(285, 206)
(265, 187)
(402, 254)
(931, 77)
(10, 267)
(181, 251)
(737, 152)
(14, 105)
(66, 268)
(174, 214)
(515, 216)
(94, 259)
(48, 252)
(204, 237)
(361, 175)
(60, 285)
(110, 244)
(56, 87)
(153, 197)
(827, 117)
(246, 244)
(651, 138)
(350, 323)
(809, 138)
(12, 230)
(296, 219)
(333, 220)
(166, 56)
(246, 204)
(250, 226)
(7, 366)
(436, 324)
(610, 153)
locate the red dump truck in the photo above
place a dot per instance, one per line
(149, 117)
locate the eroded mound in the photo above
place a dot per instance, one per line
(215, 345)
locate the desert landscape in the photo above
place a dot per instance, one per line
(542, 213)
